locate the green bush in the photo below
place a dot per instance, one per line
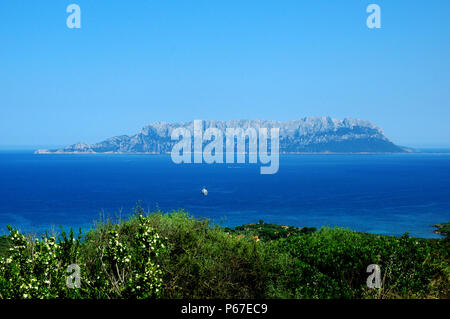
(5, 244)
(203, 261)
(332, 263)
(268, 231)
(120, 260)
(116, 261)
(177, 256)
(37, 268)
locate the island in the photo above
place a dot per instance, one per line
(306, 135)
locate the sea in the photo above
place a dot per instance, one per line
(386, 194)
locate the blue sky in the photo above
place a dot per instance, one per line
(135, 62)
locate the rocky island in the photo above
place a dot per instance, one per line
(307, 135)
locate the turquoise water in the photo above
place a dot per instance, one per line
(385, 194)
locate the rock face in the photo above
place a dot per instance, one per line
(307, 135)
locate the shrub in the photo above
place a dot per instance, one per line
(203, 261)
(5, 244)
(267, 231)
(332, 263)
(177, 256)
(116, 261)
(36, 268)
(120, 260)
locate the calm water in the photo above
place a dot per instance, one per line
(385, 194)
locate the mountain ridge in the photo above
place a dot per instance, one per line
(306, 135)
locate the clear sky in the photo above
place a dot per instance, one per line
(135, 62)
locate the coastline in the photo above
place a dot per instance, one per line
(47, 152)
(443, 229)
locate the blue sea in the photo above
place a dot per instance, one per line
(383, 194)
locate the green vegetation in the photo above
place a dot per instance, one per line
(174, 255)
(5, 244)
(266, 231)
(332, 264)
(117, 260)
(443, 229)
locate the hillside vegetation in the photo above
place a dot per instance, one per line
(443, 229)
(174, 255)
